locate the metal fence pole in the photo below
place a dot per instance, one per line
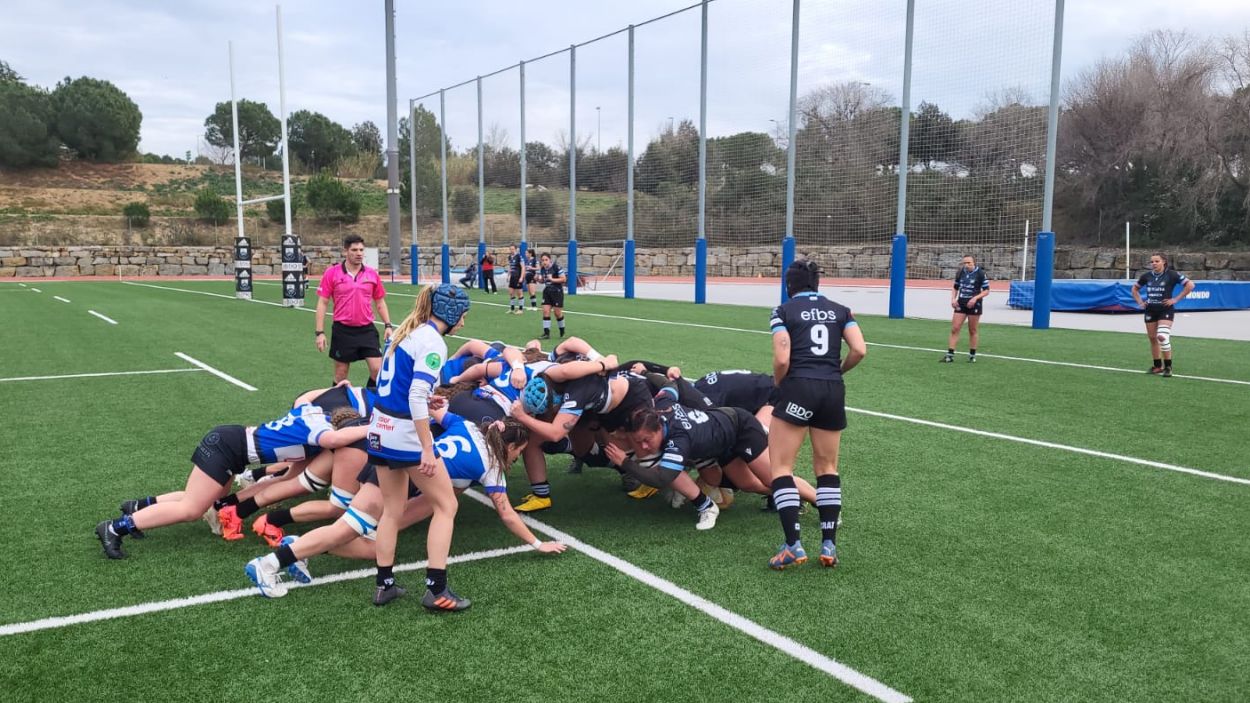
(1045, 266)
(629, 176)
(572, 262)
(442, 159)
(787, 243)
(524, 221)
(700, 246)
(481, 184)
(392, 148)
(412, 188)
(898, 253)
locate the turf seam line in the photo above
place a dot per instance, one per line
(95, 375)
(786, 645)
(1053, 445)
(980, 355)
(106, 318)
(220, 596)
(218, 373)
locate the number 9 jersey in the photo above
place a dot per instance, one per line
(815, 325)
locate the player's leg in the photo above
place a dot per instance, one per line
(957, 324)
(974, 323)
(375, 365)
(1163, 337)
(559, 313)
(825, 446)
(546, 321)
(784, 441)
(394, 488)
(1156, 353)
(201, 489)
(539, 497)
(437, 489)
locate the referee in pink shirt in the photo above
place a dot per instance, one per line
(354, 288)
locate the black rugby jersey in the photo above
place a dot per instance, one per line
(692, 435)
(815, 324)
(546, 273)
(515, 262)
(1158, 287)
(737, 388)
(971, 283)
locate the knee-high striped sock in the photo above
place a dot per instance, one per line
(786, 498)
(829, 504)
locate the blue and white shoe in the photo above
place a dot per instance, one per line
(265, 577)
(828, 554)
(299, 570)
(788, 556)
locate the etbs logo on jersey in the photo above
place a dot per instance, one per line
(799, 411)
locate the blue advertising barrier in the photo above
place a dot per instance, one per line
(1117, 296)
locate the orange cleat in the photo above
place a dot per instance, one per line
(272, 534)
(231, 523)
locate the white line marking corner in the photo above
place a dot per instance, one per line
(219, 374)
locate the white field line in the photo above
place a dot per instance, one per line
(63, 300)
(106, 318)
(18, 628)
(22, 285)
(1053, 445)
(1011, 438)
(215, 372)
(96, 375)
(784, 644)
(36, 290)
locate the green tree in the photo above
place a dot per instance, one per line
(259, 130)
(330, 199)
(318, 141)
(464, 204)
(8, 75)
(96, 119)
(540, 208)
(367, 138)
(26, 135)
(211, 207)
(137, 213)
(277, 212)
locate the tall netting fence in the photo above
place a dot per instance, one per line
(978, 133)
(975, 164)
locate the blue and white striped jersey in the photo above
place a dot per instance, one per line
(292, 437)
(463, 451)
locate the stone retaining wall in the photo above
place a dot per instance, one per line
(742, 262)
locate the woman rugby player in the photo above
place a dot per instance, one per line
(1160, 283)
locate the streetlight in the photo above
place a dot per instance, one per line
(670, 124)
(599, 129)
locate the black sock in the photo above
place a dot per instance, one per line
(542, 490)
(145, 502)
(286, 556)
(829, 504)
(703, 503)
(232, 499)
(1167, 363)
(547, 323)
(247, 508)
(972, 352)
(385, 576)
(436, 580)
(950, 352)
(786, 498)
(280, 517)
(1158, 363)
(258, 474)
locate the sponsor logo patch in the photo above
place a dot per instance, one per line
(433, 360)
(799, 411)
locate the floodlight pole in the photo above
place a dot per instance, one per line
(524, 214)
(481, 185)
(412, 187)
(442, 160)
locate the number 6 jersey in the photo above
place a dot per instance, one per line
(815, 324)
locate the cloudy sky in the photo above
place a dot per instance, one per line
(171, 56)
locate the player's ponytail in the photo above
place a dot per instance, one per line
(422, 311)
(644, 419)
(501, 436)
(344, 417)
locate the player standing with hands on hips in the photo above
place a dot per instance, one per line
(808, 331)
(1160, 282)
(971, 287)
(354, 288)
(553, 280)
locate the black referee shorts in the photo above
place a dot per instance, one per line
(348, 344)
(553, 297)
(811, 402)
(222, 452)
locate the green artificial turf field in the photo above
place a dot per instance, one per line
(1082, 563)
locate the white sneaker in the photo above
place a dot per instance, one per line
(707, 518)
(214, 524)
(265, 576)
(242, 481)
(674, 498)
